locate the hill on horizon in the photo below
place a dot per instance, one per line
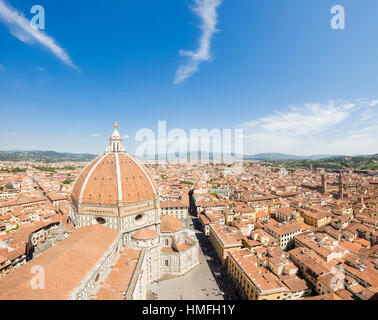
(48, 156)
(53, 156)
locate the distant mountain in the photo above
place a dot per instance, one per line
(272, 156)
(47, 156)
(322, 156)
(189, 155)
(364, 163)
(53, 156)
(259, 156)
(283, 156)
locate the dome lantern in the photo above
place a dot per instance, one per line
(115, 142)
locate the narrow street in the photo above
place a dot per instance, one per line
(207, 281)
(215, 266)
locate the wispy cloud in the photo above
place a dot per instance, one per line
(207, 11)
(305, 120)
(21, 28)
(2, 67)
(334, 127)
(94, 135)
(373, 103)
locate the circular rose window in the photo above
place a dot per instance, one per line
(100, 220)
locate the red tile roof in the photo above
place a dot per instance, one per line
(170, 224)
(144, 234)
(137, 185)
(65, 265)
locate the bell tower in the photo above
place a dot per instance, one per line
(341, 186)
(324, 183)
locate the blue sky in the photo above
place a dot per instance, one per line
(275, 68)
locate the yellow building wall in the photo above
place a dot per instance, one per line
(246, 287)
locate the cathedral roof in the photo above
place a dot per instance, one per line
(114, 179)
(120, 276)
(65, 265)
(144, 234)
(170, 224)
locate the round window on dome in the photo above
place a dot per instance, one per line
(100, 220)
(139, 219)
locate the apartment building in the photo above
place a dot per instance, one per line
(284, 233)
(224, 240)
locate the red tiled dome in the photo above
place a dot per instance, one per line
(114, 179)
(144, 234)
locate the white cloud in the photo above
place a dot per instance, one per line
(206, 10)
(373, 103)
(21, 28)
(126, 137)
(41, 69)
(94, 135)
(367, 115)
(301, 121)
(332, 128)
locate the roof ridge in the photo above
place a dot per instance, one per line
(119, 183)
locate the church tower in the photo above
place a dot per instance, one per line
(324, 183)
(341, 186)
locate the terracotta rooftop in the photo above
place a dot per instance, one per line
(327, 296)
(144, 234)
(266, 281)
(286, 210)
(119, 278)
(261, 214)
(99, 182)
(22, 201)
(174, 204)
(283, 229)
(170, 224)
(65, 265)
(227, 235)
